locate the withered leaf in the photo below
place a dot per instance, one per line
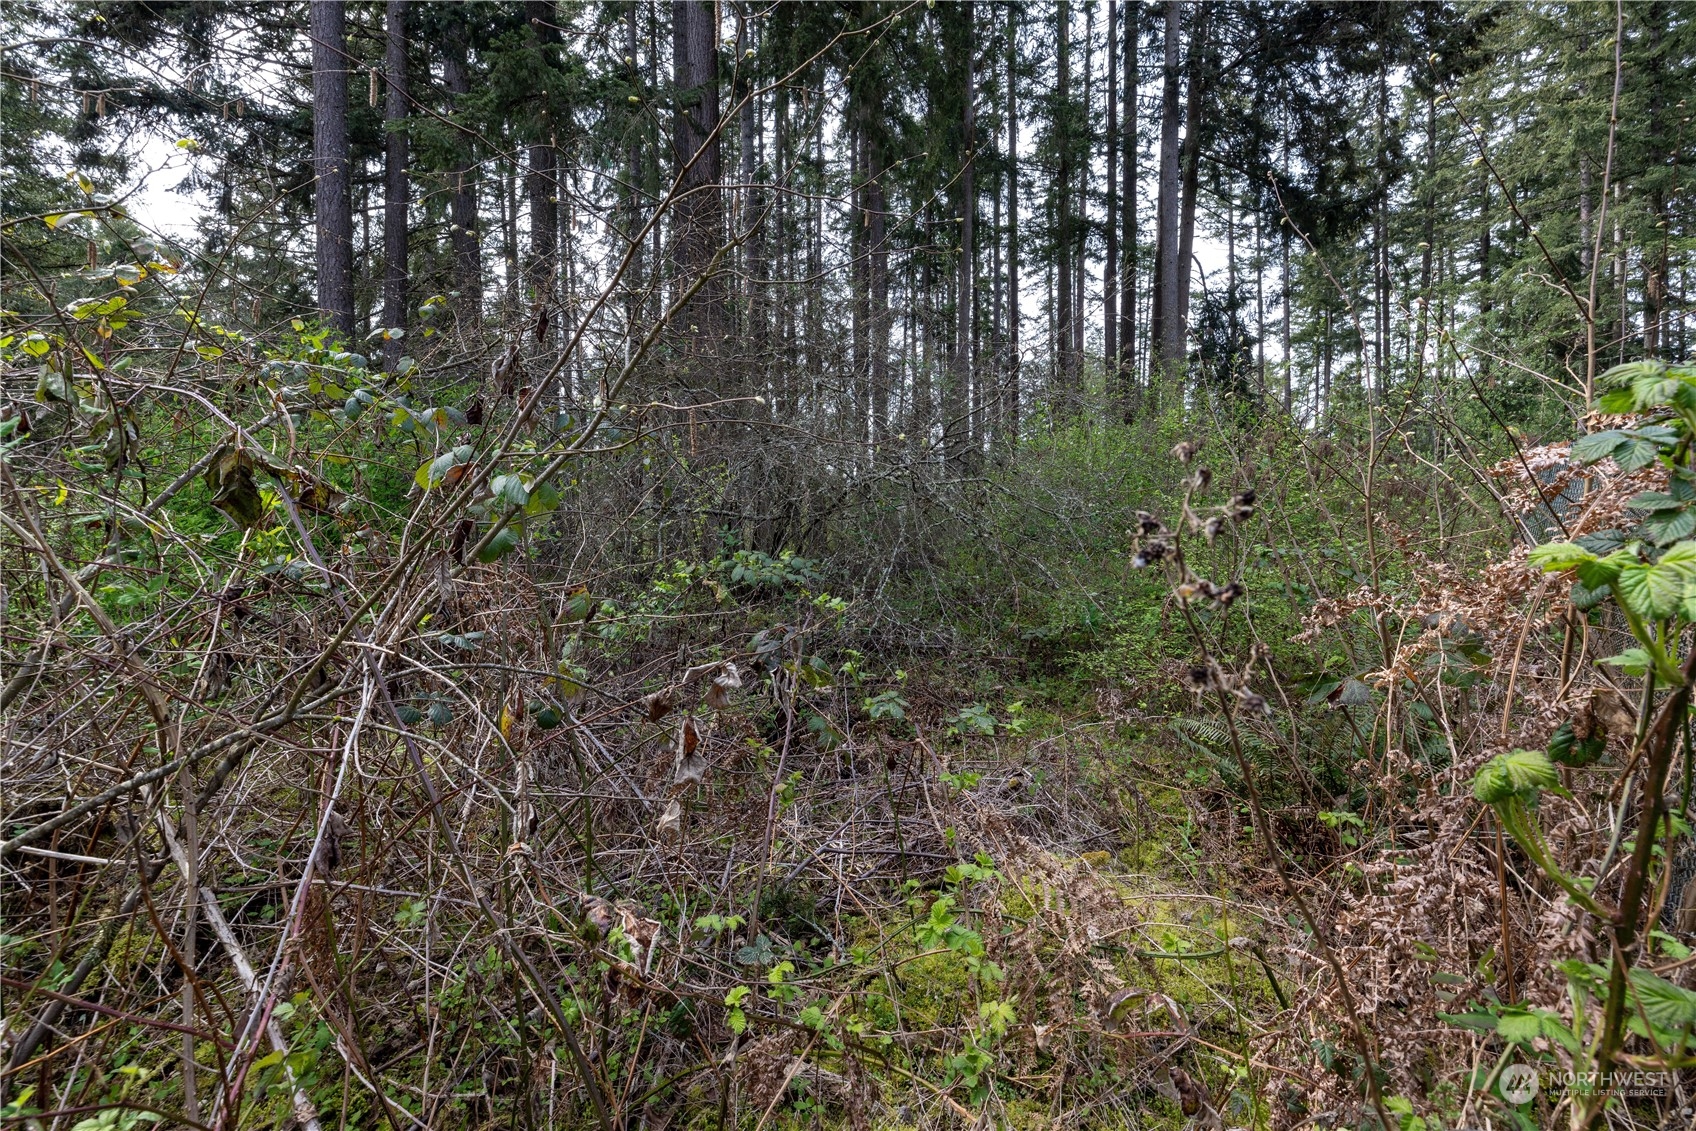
(671, 820)
(230, 480)
(659, 704)
(1192, 1094)
(718, 694)
(691, 769)
(597, 918)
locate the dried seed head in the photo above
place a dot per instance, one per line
(1253, 701)
(1229, 593)
(1185, 452)
(1188, 591)
(1199, 677)
(1199, 481)
(1150, 553)
(1211, 528)
(1147, 523)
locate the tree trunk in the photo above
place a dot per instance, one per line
(1195, 93)
(1428, 236)
(633, 176)
(462, 205)
(748, 198)
(1084, 144)
(698, 223)
(1259, 303)
(1010, 388)
(1128, 308)
(509, 230)
(859, 261)
(395, 181)
(877, 229)
(1110, 268)
(1485, 305)
(541, 185)
(1064, 367)
(1284, 286)
(1656, 249)
(1166, 324)
(958, 433)
(331, 166)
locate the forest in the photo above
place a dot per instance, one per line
(847, 564)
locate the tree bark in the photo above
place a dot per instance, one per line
(331, 166)
(877, 237)
(1656, 249)
(633, 175)
(1083, 145)
(1110, 268)
(956, 422)
(395, 179)
(1064, 363)
(541, 183)
(462, 205)
(1010, 385)
(698, 222)
(1128, 307)
(1166, 326)
(1195, 93)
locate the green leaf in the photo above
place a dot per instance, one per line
(441, 469)
(1634, 454)
(1478, 1022)
(1651, 591)
(1555, 556)
(1585, 598)
(1629, 372)
(1682, 558)
(510, 489)
(544, 498)
(1632, 661)
(1604, 571)
(1519, 1026)
(1522, 772)
(1670, 526)
(1597, 445)
(1654, 501)
(1668, 1007)
(499, 546)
